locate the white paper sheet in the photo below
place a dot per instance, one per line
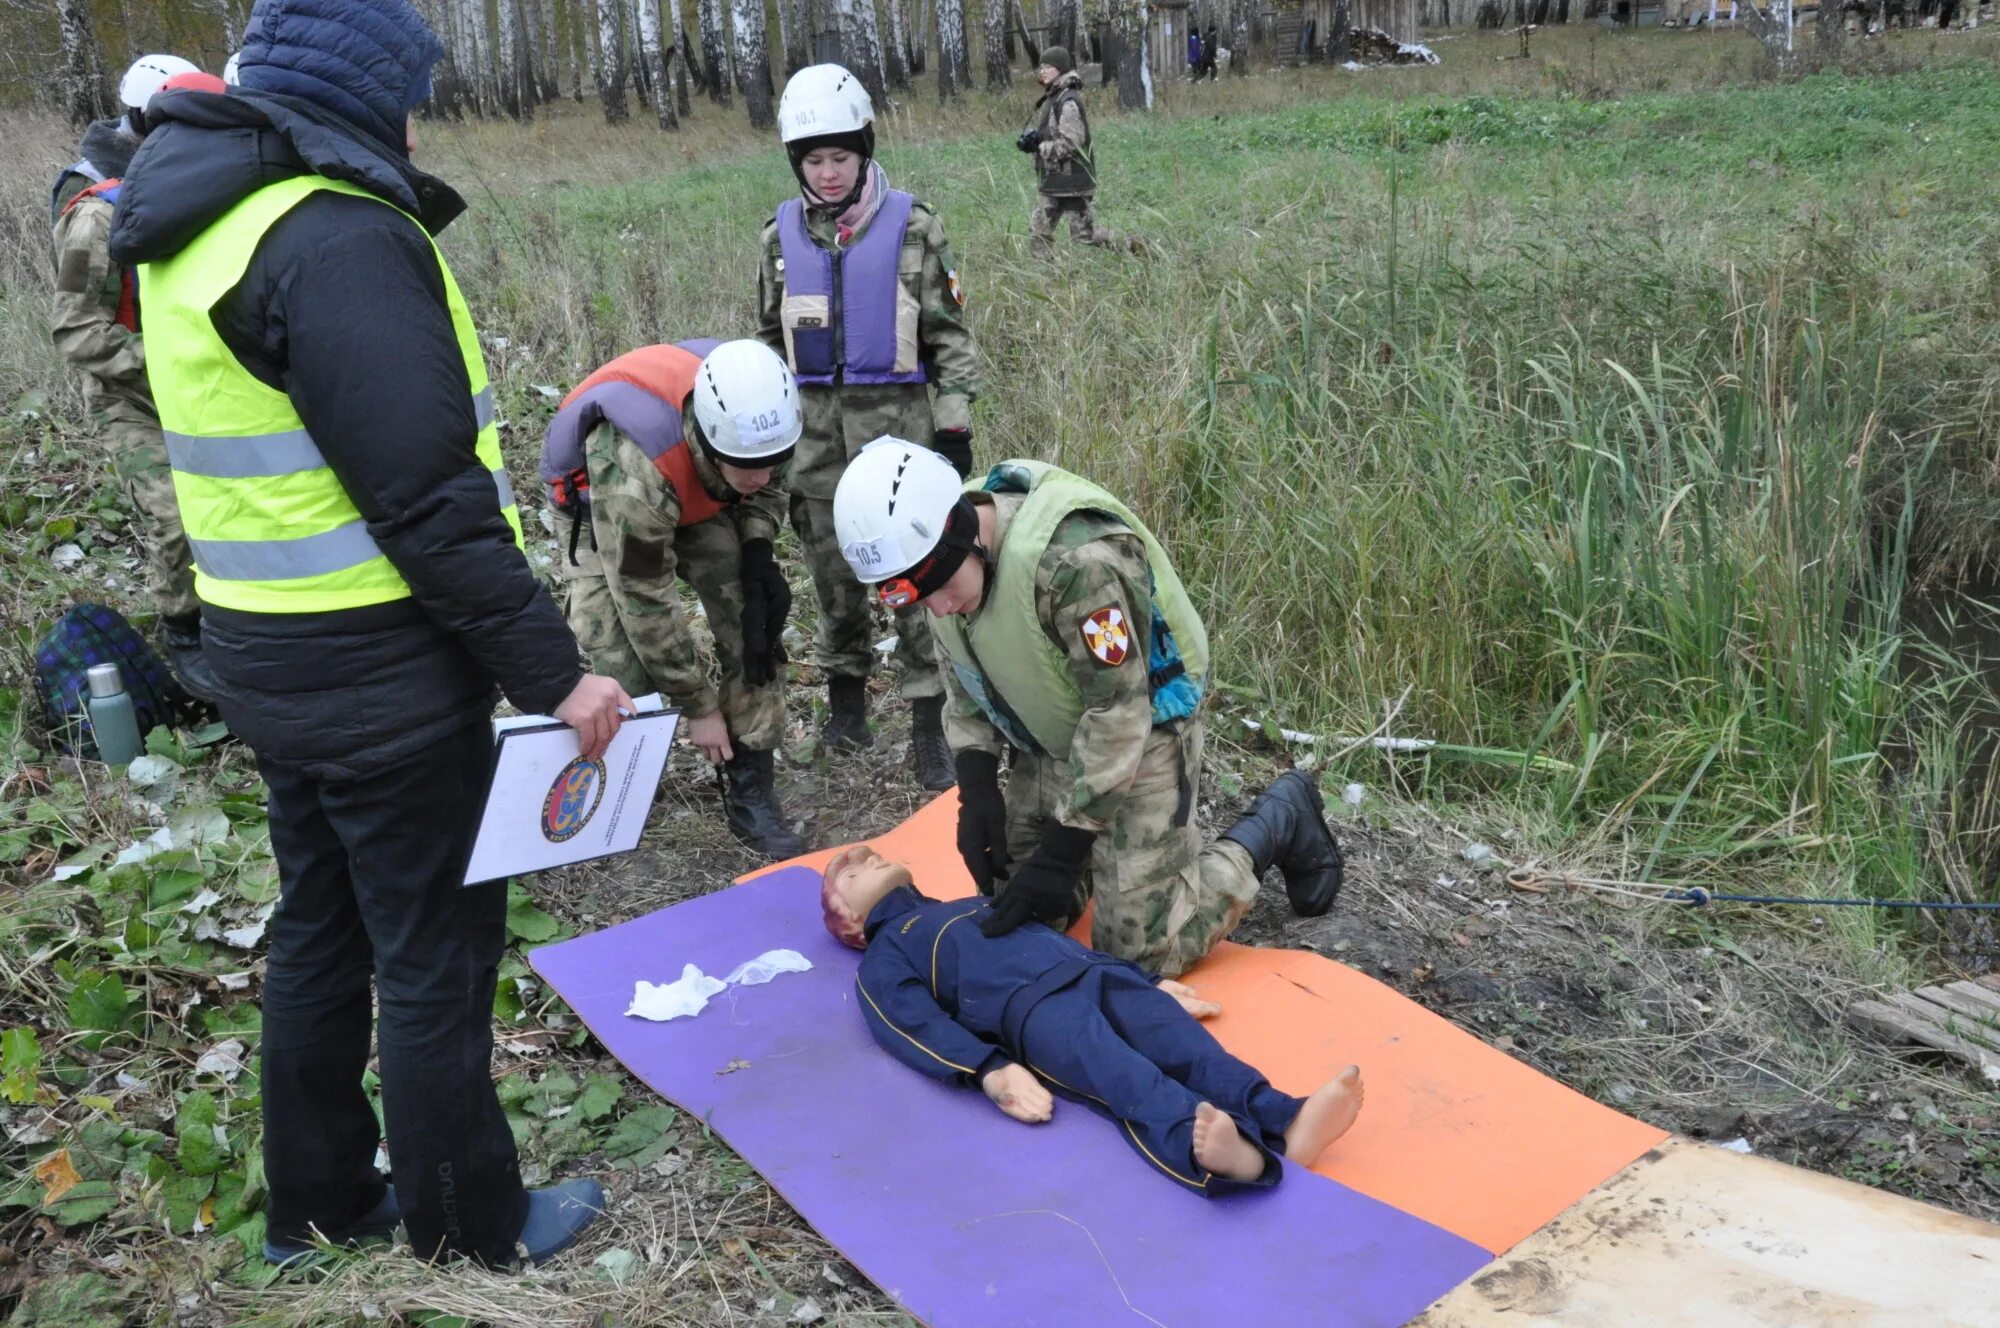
(548, 807)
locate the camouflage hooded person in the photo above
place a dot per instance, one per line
(1065, 169)
(1070, 644)
(859, 292)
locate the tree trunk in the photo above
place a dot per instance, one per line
(684, 53)
(507, 58)
(611, 60)
(792, 36)
(896, 54)
(1135, 82)
(920, 36)
(1063, 26)
(999, 72)
(861, 43)
(714, 50)
(954, 63)
(83, 90)
(753, 61)
(658, 58)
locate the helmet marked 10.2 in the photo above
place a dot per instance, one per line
(746, 405)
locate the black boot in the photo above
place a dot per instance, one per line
(184, 655)
(929, 752)
(1286, 828)
(846, 727)
(750, 792)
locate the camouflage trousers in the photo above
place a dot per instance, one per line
(139, 461)
(1083, 227)
(1163, 898)
(844, 645)
(708, 557)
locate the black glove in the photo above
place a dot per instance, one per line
(982, 819)
(955, 446)
(1044, 889)
(1029, 140)
(767, 599)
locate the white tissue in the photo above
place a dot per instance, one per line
(754, 972)
(672, 1000)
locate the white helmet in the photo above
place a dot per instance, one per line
(229, 68)
(821, 101)
(747, 404)
(891, 509)
(146, 75)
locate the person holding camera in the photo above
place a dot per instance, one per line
(1060, 142)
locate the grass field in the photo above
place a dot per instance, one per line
(1603, 416)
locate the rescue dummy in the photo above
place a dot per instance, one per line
(1071, 645)
(1030, 1014)
(859, 291)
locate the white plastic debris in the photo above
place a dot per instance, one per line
(224, 1058)
(1354, 795)
(1737, 1146)
(148, 770)
(1479, 855)
(756, 972)
(233, 981)
(202, 902)
(674, 1000)
(160, 841)
(886, 646)
(66, 556)
(245, 937)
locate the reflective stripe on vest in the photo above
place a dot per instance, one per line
(1003, 656)
(854, 322)
(271, 528)
(641, 394)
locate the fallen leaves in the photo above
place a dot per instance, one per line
(57, 1175)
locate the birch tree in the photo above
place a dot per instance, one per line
(896, 57)
(714, 50)
(1062, 27)
(83, 63)
(1239, 37)
(547, 58)
(920, 36)
(507, 60)
(611, 65)
(860, 43)
(954, 65)
(753, 60)
(658, 58)
(684, 50)
(793, 35)
(1135, 82)
(999, 72)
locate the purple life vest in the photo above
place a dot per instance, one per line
(640, 393)
(852, 336)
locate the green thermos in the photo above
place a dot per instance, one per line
(113, 723)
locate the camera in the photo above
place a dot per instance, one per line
(1029, 140)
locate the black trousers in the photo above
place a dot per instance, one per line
(370, 872)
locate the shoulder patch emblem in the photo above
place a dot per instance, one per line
(1105, 635)
(957, 291)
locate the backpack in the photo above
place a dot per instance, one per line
(93, 634)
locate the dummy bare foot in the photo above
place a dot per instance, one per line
(1219, 1147)
(1325, 1116)
(1189, 999)
(1017, 1092)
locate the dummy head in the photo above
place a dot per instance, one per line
(856, 881)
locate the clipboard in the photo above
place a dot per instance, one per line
(548, 807)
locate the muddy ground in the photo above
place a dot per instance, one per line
(1718, 1026)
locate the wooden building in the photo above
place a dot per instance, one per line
(1303, 31)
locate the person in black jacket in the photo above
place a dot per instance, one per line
(1009, 1012)
(369, 720)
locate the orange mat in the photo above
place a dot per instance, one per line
(1454, 1132)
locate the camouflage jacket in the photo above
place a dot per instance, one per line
(84, 320)
(1093, 562)
(634, 516)
(841, 421)
(1063, 160)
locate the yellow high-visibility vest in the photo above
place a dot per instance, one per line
(271, 527)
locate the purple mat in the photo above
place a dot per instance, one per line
(967, 1218)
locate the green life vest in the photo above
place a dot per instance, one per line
(1002, 655)
(271, 527)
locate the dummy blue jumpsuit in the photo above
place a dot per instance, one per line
(956, 1004)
